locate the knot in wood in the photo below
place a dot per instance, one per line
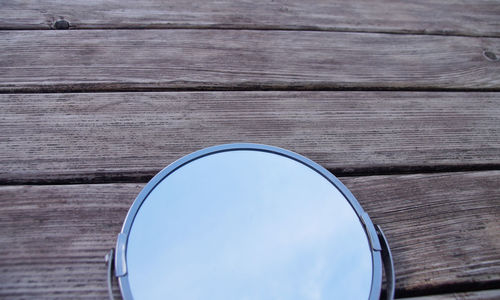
(490, 55)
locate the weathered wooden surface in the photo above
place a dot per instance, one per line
(440, 226)
(92, 60)
(118, 136)
(443, 229)
(427, 16)
(481, 295)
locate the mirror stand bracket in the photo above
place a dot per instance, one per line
(110, 263)
(386, 259)
(388, 264)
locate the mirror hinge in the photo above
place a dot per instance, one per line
(372, 235)
(120, 261)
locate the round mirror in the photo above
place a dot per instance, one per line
(246, 221)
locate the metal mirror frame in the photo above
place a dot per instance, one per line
(378, 244)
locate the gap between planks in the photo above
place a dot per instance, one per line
(295, 87)
(145, 176)
(493, 294)
(260, 28)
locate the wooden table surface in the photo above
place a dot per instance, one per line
(400, 100)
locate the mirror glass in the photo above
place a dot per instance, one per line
(247, 224)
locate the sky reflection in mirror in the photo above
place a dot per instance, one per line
(247, 224)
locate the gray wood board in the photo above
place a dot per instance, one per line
(479, 295)
(98, 137)
(427, 17)
(443, 230)
(93, 60)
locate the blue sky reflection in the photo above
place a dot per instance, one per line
(247, 225)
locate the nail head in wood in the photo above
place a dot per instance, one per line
(61, 24)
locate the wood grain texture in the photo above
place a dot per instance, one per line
(481, 295)
(117, 136)
(437, 222)
(422, 16)
(443, 230)
(69, 60)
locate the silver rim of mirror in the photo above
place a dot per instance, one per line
(380, 252)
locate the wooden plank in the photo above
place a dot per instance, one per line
(422, 16)
(437, 226)
(480, 295)
(69, 60)
(130, 136)
(443, 230)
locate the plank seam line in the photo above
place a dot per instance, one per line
(144, 177)
(257, 88)
(264, 28)
(449, 289)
